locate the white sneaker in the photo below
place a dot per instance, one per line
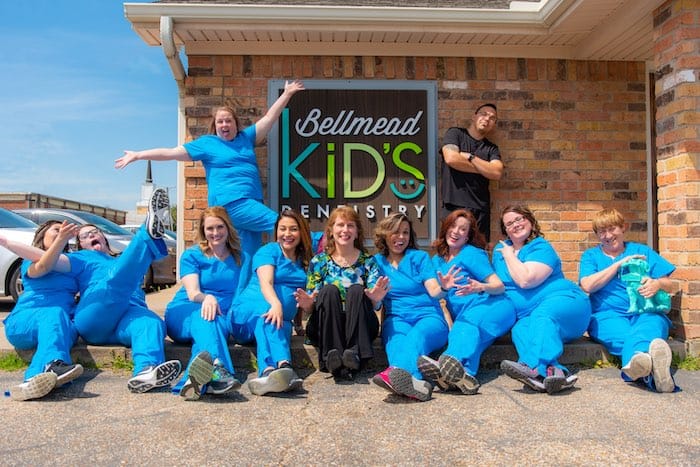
(639, 366)
(155, 376)
(661, 357)
(277, 380)
(35, 387)
(158, 213)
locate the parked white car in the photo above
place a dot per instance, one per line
(17, 228)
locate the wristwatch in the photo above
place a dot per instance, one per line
(471, 157)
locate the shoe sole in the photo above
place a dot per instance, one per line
(165, 373)
(278, 380)
(402, 382)
(453, 372)
(639, 366)
(158, 202)
(36, 387)
(333, 361)
(554, 384)
(379, 381)
(69, 376)
(514, 372)
(661, 357)
(199, 373)
(350, 360)
(535, 385)
(430, 369)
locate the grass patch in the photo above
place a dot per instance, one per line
(12, 362)
(689, 363)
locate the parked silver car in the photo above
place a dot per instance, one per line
(19, 229)
(161, 272)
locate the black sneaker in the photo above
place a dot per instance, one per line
(65, 372)
(296, 382)
(334, 361)
(222, 381)
(158, 213)
(351, 360)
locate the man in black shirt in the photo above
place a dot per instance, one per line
(469, 162)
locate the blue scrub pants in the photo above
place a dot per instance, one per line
(476, 327)
(251, 218)
(49, 330)
(407, 339)
(624, 335)
(272, 344)
(109, 312)
(540, 336)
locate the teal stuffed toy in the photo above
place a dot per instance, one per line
(631, 273)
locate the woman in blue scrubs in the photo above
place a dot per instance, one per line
(231, 167)
(266, 308)
(414, 323)
(41, 318)
(479, 309)
(212, 273)
(551, 310)
(638, 338)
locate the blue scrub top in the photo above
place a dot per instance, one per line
(407, 296)
(475, 264)
(51, 289)
(613, 296)
(90, 268)
(222, 279)
(231, 167)
(537, 250)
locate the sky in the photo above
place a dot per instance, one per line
(77, 87)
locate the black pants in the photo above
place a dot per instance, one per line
(332, 327)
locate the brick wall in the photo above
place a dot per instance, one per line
(677, 72)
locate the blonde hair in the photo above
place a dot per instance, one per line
(349, 214)
(607, 218)
(233, 243)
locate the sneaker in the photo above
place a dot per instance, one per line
(199, 373)
(406, 385)
(453, 372)
(333, 361)
(536, 384)
(222, 381)
(351, 360)
(155, 376)
(65, 372)
(430, 369)
(381, 379)
(35, 387)
(519, 371)
(661, 357)
(557, 380)
(639, 366)
(272, 380)
(158, 213)
(296, 382)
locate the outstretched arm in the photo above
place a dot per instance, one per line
(33, 253)
(263, 126)
(51, 257)
(159, 154)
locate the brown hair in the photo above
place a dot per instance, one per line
(224, 108)
(607, 218)
(80, 247)
(303, 249)
(527, 214)
(40, 233)
(349, 214)
(390, 225)
(233, 243)
(474, 236)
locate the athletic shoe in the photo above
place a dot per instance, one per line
(555, 380)
(199, 373)
(222, 381)
(272, 380)
(158, 213)
(351, 360)
(35, 387)
(296, 383)
(453, 372)
(381, 379)
(333, 361)
(661, 357)
(64, 372)
(639, 366)
(536, 384)
(155, 376)
(406, 385)
(430, 369)
(519, 371)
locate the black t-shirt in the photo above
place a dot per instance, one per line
(464, 188)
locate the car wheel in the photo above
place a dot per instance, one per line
(16, 287)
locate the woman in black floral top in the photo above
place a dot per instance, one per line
(344, 292)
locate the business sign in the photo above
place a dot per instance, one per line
(366, 144)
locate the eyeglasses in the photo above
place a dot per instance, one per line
(517, 220)
(88, 234)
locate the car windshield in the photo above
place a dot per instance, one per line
(105, 225)
(11, 220)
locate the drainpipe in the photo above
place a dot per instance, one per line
(171, 54)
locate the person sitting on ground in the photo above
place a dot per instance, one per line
(264, 311)
(479, 309)
(212, 272)
(41, 324)
(638, 338)
(551, 310)
(343, 289)
(414, 323)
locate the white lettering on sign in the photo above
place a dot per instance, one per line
(345, 123)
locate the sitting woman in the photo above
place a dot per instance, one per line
(343, 290)
(212, 273)
(551, 310)
(479, 309)
(264, 311)
(638, 338)
(414, 323)
(37, 322)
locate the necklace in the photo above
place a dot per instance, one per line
(342, 261)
